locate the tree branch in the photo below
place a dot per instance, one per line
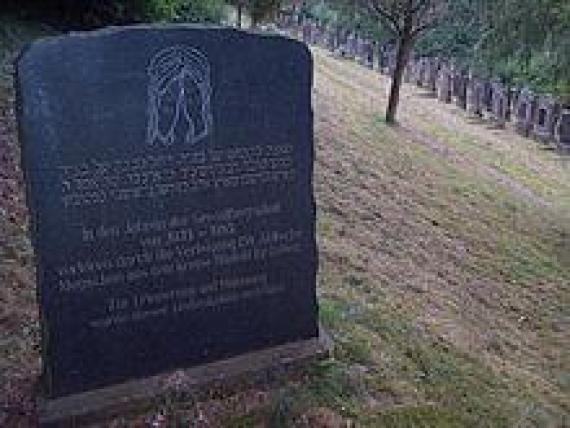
(387, 16)
(423, 27)
(419, 6)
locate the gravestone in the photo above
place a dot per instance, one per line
(370, 54)
(315, 33)
(461, 98)
(425, 72)
(444, 84)
(382, 59)
(379, 56)
(514, 93)
(459, 89)
(353, 45)
(287, 19)
(392, 59)
(342, 49)
(169, 181)
(331, 39)
(562, 129)
(524, 111)
(419, 71)
(474, 98)
(409, 71)
(500, 103)
(487, 98)
(545, 119)
(432, 74)
(340, 42)
(307, 30)
(359, 52)
(364, 56)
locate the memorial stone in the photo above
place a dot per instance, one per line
(169, 182)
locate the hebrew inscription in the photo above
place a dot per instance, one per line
(100, 182)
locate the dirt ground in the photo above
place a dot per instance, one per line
(444, 274)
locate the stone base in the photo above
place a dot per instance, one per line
(126, 397)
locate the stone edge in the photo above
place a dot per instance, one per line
(54, 412)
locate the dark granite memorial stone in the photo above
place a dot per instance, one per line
(169, 181)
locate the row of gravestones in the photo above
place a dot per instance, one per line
(540, 116)
(345, 43)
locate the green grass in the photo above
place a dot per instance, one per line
(416, 417)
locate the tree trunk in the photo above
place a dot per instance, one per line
(239, 13)
(401, 61)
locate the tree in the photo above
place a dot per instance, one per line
(527, 42)
(407, 19)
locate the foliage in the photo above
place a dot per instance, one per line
(524, 42)
(347, 15)
(95, 13)
(455, 36)
(201, 11)
(527, 41)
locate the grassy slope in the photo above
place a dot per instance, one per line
(445, 268)
(445, 250)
